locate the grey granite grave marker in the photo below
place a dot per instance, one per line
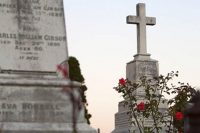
(142, 65)
(32, 43)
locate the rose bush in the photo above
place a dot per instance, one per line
(147, 106)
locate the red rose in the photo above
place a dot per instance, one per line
(63, 69)
(179, 116)
(59, 67)
(141, 106)
(122, 81)
(64, 72)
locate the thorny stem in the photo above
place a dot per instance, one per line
(152, 112)
(156, 126)
(157, 107)
(170, 124)
(134, 115)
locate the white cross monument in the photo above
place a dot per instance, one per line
(142, 65)
(141, 20)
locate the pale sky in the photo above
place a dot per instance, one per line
(100, 39)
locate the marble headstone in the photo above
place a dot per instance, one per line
(142, 65)
(32, 43)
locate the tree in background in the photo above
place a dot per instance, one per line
(75, 75)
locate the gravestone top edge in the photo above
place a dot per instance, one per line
(42, 82)
(149, 60)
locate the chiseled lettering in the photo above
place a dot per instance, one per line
(6, 113)
(6, 5)
(54, 38)
(32, 58)
(30, 36)
(8, 106)
(8, 35)
(40, 106)
(31, 1)
(47, 8)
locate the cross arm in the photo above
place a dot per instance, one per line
(150, 20)
(136, 20)
(132, 20)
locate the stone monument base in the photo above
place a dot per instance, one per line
(123, 123)
(138, 68)
(45, 128)
(142, 65)
(37, 105)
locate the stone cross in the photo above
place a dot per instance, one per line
(141, 20)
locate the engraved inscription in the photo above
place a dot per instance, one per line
(29, 111)
(32, 33)
(148, 69)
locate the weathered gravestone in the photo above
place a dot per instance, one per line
(142, 65)
(32, 43)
